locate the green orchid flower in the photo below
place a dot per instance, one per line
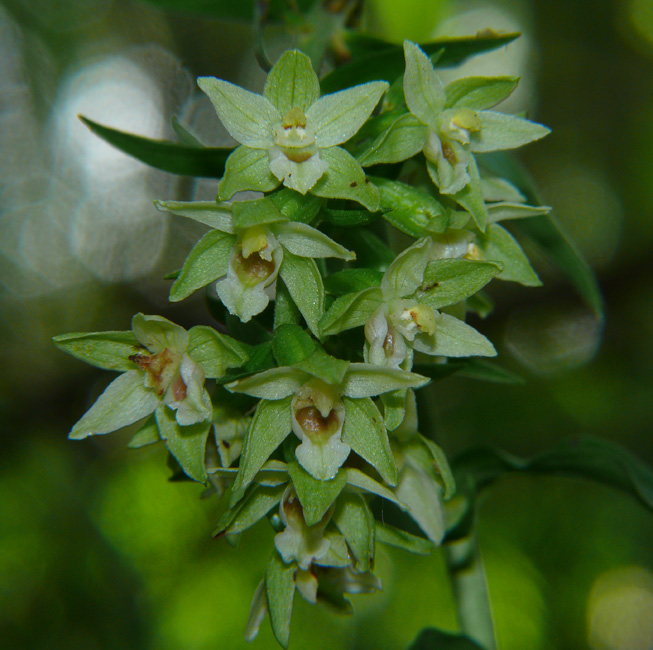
(252, 243)
(450, 124)
(326, 403)
(402, 314)
(290, 135)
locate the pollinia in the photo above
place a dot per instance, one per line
(341, 291)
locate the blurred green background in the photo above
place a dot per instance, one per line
(98, 550)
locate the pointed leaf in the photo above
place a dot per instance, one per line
(386, 534)
(211, 213)
(406, 273)
(107, 350)
(207, 162)
(366, 380)
(365, 433)
(292, 83)
(124, 401)
(285, 310)
(424, 92)
(252, 509)
(304, 282)
(207, 262)
(454, 338)
(504, 211)
(361, 481)
(306, 241)
(186, 444)
(280, 588)
(345, 179)
(269, 428)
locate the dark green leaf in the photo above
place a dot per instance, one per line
(280, 587)
(387, 63)
(432, 639)
(587, 457)
(370, 250)
(469, 368)
(168, 156)
(243, 10)
(350, 218)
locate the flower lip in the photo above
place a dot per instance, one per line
(294, 132)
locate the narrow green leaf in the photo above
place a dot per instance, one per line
(244, 10)
(354, 520)
(210, 213)
(186, 444)
(184, 135)
(371, 251)
(316, 496)
(503, 211)
(215, 352)
(432, 639)
(365, 433)
(351, 310)
(207, 162)
(306, 241)
(352, 281)
(269, 428)
(587, 457)
(386, 61)
(361, 481)
(449, 281)
(291, 344)
(367, 380)
(386, 534)
(350, 218)
(410, 209)
(280, 588)
(147, 434)
(107, 350)
(304, 282)
(441, 466)
(469, 368)
(207, 262)
(479, 93)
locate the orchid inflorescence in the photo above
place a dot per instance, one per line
(327, 419)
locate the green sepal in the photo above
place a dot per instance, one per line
(454, 338)
(301, 208)
(479, 93)
(500, 131)
(352, 281)
(305, 241)
(187, 444)
(269, 428)
(354, 520)
(210, 213)
(304, 282)
(394, 408)
(386, 534)
(423, 90)
(280, 588)
(256, 212)
(409, 209)
(324, 366)
(503, 211)
(404, 276)
(365, 433)
(345, 179)
(251, 510)
(361, 481)
(215, 352)
(147, 434)
(247, 169)
(124, 401)
(292, 344)
(402, 140)
(367, 380)
(497, 244)
(449, 281)
(272, 384)
(351, 310)
(207, 261)
(316, 496)
(107, 350)
(292, 83)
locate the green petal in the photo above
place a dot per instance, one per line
(364, 431)
(207, 262)
(337, 117)
(406, 274)
(273, 384)
(345, 179)
(247, 169)
(404, 139)
(124, 401)
(187, 444)
(306, 241)
(210, 213)
(107, 350)
(248, 117)
(500, 131)
(424, 92)
(269, 428)
(292, 83)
